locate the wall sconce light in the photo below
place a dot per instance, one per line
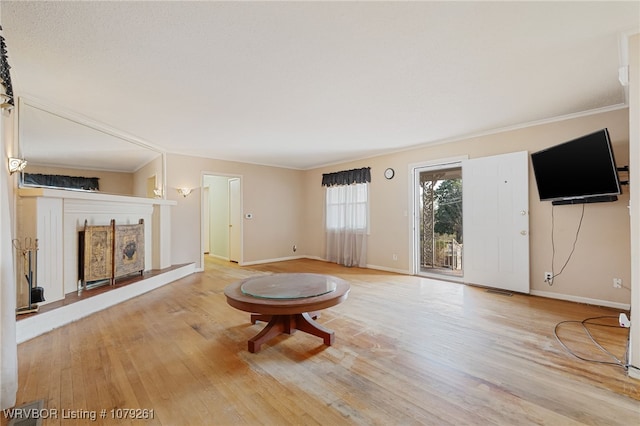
(6, 102)
(16, 165)
(184, 191)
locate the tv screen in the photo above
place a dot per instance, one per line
(582, 170)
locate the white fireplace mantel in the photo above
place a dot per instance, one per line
(55, 216)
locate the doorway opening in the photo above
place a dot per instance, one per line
(222, 218)
(439, 220)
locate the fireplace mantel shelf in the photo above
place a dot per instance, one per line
(89, 195)
(54, 217)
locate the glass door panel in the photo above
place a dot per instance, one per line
(440, 235)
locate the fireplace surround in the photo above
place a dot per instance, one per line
(56, 217)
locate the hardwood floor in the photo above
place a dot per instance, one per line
(408, 350)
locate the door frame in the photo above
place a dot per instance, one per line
(235, 205)
(414, 223)
(206, 204)
(204, 218)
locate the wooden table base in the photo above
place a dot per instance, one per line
(287, 302)
(288, 324)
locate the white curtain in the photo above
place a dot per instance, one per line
(347, 224)
(8, 346)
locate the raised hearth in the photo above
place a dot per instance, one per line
(75, 306)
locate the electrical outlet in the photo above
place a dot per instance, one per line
(548, 277)
(395, 256)
(617, 283)
(295, 248)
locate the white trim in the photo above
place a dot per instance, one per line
(481, 133)
(442, 277)
(634, 202)
(83, 120)
(215, 256)
(585, 300)
(384, 268)
(277, 259)
(549, 295)
(39, 191)
(437, 164)
(203, 176)
(315, 258)
(281, 259)
(523, 125)
(623, 57)
(31, 327)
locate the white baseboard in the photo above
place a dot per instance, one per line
(394, 270)
(215, 256)
(279, 259)
(550, 295)
(586, 300)
(43, 322)
(322, 259)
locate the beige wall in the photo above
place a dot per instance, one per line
(272, 195)
(110, 182)
(149, 170)
(288, 205)
(602, 251)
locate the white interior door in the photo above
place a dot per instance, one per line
(206, 236)
(235, 218)
(496, 221)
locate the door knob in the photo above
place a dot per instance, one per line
(523, 232)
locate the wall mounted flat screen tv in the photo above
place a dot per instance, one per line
(582, 170)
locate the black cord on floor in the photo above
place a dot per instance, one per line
(584, 323)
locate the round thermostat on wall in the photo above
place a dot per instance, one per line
(389, 173)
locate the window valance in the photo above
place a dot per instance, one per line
(58, 181)
(5, 74)
(347, 177)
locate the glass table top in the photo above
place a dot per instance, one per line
(289, 286)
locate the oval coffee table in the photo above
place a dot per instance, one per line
(288, 302)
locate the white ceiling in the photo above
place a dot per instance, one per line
(304, 84)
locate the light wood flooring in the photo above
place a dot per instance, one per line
(408, 351)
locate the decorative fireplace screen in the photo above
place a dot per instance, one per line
(109, 252)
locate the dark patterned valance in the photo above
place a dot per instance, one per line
(57, 181)
(5, 75)
(347, 177)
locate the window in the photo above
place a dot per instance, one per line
(347, 207)
(347, 216)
